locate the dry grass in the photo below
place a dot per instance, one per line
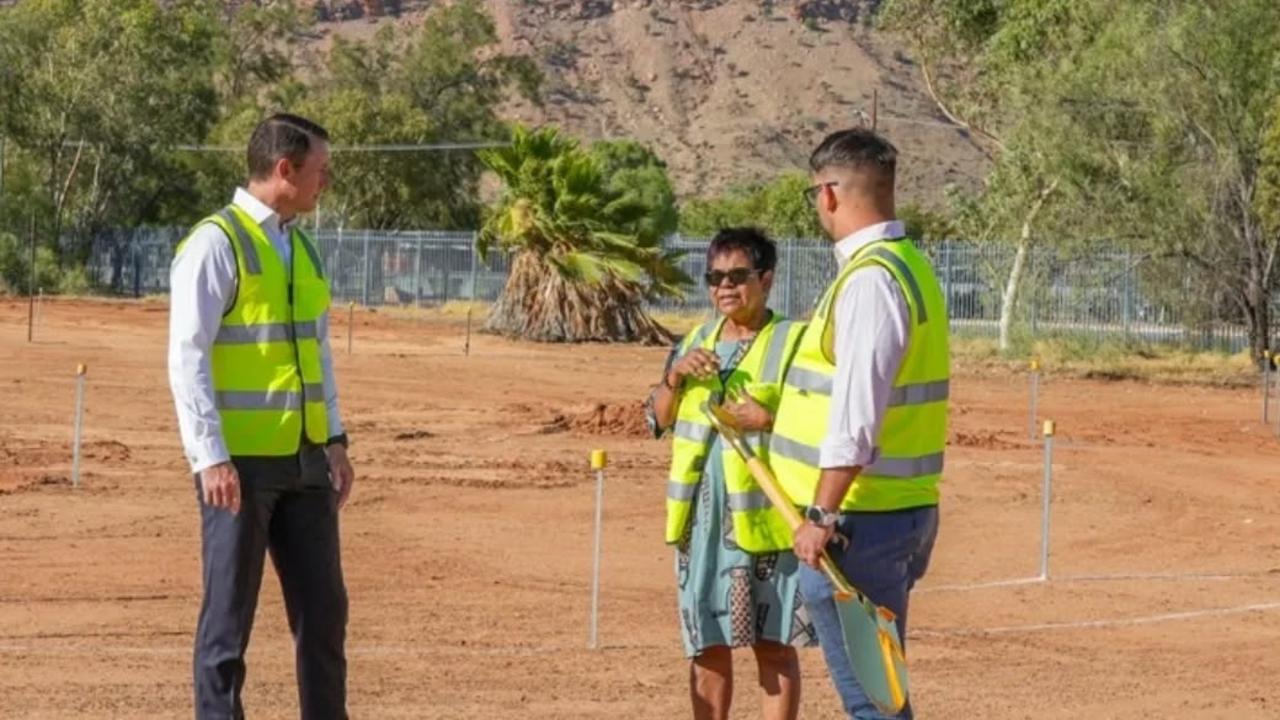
(1085, 359)
(1110, 361)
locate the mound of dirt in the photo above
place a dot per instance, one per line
(985, 440)
(625, 419)
(108, 450)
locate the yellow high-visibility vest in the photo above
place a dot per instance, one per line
(757, 526)
(913, 436)
(267, 379)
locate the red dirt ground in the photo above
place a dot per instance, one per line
(467, 541)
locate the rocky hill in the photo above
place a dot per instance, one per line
(727, 91)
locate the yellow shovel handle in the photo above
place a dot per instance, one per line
(769, 484)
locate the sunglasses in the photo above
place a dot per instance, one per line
(811, 192)
(736, 276)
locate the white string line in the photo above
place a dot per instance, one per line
(1102, 578)
(416, 650)
(354, 650)
(1110, 622)
(977, 586)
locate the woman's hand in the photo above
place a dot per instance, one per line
(698, 363)
(750, 415)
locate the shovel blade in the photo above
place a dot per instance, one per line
(874, 652)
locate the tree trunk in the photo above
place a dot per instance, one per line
(1260, 330)
(537, 303)
(1258, 317)
(1010, 297)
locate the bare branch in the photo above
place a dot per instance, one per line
(931, 87)
(61, 198)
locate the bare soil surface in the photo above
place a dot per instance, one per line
(467, 543)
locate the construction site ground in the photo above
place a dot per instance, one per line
(467, 541)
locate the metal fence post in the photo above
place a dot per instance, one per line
(790, 284)
(345, 293)
(444, 271)
(946, 281)
(364, 292)
(417, 274)
(137, 272)
(1128, 291)
(475, 237)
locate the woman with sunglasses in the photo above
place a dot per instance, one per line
(736, 575)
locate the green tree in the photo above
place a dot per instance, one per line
(583, 256)
(632, 168)
(1186, 147)
(255, 72)
(1003, 70)
(1269, 175)
(440, 82)
(927, 225)
(777, 207)
(94, 96)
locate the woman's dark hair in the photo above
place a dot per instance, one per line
(752, 242)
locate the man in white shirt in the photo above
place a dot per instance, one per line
(270, 462)
(866, 461)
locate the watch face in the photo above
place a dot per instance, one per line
(818, 516)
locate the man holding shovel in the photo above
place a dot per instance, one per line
(861, 429)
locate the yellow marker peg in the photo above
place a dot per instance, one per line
(1048, 428)
(599, 459)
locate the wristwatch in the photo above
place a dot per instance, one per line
(338, 440)
(821, 517)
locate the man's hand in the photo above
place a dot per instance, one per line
(340, 472)
(811, 542)
(750, 415)
(220, 486)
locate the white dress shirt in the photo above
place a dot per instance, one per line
(872, 326)
(202, 287)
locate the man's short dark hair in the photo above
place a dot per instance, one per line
(752, 242)
(856, 149)
(282, 136)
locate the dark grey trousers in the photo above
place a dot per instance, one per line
(298, 524)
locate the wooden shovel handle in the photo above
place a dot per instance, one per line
(769, 484)
(727, 426)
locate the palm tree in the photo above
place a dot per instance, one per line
(584, 257)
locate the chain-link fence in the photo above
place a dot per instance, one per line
(1102, 296)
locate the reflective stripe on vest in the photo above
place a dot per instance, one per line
(267, 332)
(912, 438)
(269, 400)
(809, 380)
(252, 264)
(920, 393)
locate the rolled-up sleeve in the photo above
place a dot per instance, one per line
(872, 326)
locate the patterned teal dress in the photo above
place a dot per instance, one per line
(728, 596)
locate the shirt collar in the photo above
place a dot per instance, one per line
(851, 244)
(259, 211)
